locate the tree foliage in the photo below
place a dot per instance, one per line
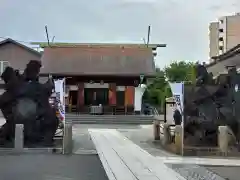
(180, 71)
(158, 88)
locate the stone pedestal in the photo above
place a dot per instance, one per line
(67, 139)
(166, 135)
(225, 138)
(179, 139)
(19, 138)
(156, 130)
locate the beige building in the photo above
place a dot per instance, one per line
(224, 34)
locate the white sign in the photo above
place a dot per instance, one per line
(60, 97)
(177, 91)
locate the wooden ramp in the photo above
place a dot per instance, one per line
(124, 160)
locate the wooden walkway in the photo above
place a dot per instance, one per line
(124, 160)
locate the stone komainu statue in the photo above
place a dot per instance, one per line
(26, 101)
(212, 103)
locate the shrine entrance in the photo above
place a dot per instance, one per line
(96, 96)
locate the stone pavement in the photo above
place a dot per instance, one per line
(143, 137)
(88, 165)
(124, 160)
(82, 143)
(190, 168)
(51, 167)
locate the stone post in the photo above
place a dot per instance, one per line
(67, 138)
(225, 137)
(19, 138)
(179, 139)
(156, 129)
(166, 134)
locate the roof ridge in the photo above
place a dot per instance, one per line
(19, 44)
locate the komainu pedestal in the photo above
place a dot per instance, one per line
(26, 101)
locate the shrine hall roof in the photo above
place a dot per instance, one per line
(97, 60)
(64, 44)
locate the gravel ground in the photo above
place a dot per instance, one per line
(195, 172)
(229, 173)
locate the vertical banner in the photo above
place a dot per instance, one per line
(139, 91)
(60, 97)
(177, 91)
(178, 94)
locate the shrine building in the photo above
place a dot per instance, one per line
(100, 74)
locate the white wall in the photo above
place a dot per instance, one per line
(96, 85)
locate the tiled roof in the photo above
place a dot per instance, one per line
(230, 53)
(9, 40)
(112, 60)
(229, 58)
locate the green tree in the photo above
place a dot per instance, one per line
(158, 88)
(155, 88)
(180, 71)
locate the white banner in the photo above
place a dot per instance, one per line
(139, 91)
(178, 94)
(60, 97)
(177, 91)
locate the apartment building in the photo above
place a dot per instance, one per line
(224, 34)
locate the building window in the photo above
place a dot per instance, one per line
(221, 30)
(221, 48)
(3, 65)
(221, 21)
(221, 39)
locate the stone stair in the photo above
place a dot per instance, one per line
(109, 119)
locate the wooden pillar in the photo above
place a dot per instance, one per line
(80, 101)
(112, 94)
(112, 97)
(129, 96)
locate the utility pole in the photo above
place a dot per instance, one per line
(148, 37)
(47, 35)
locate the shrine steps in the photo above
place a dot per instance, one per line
(109, 119)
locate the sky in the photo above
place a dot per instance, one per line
(181, 24)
